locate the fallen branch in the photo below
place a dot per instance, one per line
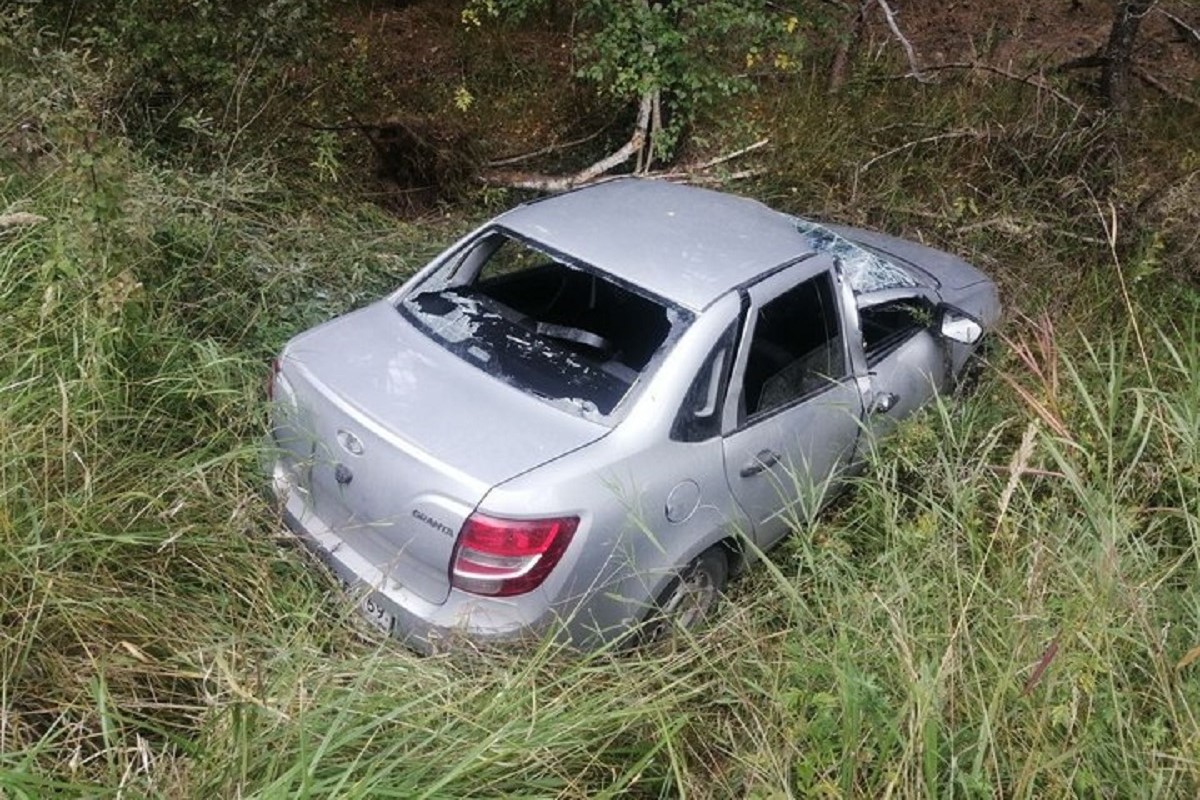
(542, 151)
(1185, 31)
(560, 183)
(692, 173)
(19, 219)
(1013, 227)
(704, 180)
(914, 70)
(1029, 80)
(1090, 61)
(1150, 80)
(959, 134)
(712, 162)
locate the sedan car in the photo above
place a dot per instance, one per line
(582, 417)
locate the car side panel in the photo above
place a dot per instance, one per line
(782, 469)
(652, 511)
(912, 373)
(652, 503)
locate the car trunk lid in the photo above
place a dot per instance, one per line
(394, 441)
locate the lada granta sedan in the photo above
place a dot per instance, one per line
(573, 421)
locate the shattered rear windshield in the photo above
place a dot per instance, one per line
(573, 337)
(866, 271)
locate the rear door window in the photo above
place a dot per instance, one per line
(539, 321)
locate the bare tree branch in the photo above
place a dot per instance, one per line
(1023, 228)
(1185, 31)
(640, 144)
(712, 162)
(1032, 80)
(559, 183)
(700, 179)
(1089, 61)
(695, 173)
(959, 134)
(1150, 80)
(914, 70)
(542, 151)
(18, 219)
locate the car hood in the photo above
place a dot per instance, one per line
(391, 376)
(936, 268)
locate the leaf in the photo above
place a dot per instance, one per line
(1036, 676)
(135, 651)
(18, 218)
(1189, 658)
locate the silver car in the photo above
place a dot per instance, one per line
(582, 417)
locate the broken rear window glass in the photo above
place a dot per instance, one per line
(556, 329)
(865, 271)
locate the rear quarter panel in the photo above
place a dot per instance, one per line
(629, 543)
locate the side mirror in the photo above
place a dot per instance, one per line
(958, 327)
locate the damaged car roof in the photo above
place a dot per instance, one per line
(683, 243)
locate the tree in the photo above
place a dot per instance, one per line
(1118, 56)
(194, 70)
(667, 58)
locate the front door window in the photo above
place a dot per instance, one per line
(796, 349)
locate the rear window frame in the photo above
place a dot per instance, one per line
(446, 272)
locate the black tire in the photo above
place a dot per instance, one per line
(690, 598)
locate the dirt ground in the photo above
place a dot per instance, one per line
(1027, 35)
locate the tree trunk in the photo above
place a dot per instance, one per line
(1114, 80)
(847, 47)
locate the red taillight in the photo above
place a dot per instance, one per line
(502, 557)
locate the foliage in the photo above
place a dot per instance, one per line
(695, 54)
(194, 74)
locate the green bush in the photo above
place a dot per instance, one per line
(195, 75)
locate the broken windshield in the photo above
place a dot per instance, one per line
(571, 336)
(865, 271)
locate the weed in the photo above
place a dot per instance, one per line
(1004, 604)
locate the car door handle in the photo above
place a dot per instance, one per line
(762, 462)
(884, 402)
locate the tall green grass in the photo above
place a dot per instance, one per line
(1005, 603)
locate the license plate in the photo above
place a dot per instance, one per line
(374, 612)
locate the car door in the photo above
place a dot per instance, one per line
(905, 358)
(793, 411)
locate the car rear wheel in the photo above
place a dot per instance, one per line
(689, 598)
